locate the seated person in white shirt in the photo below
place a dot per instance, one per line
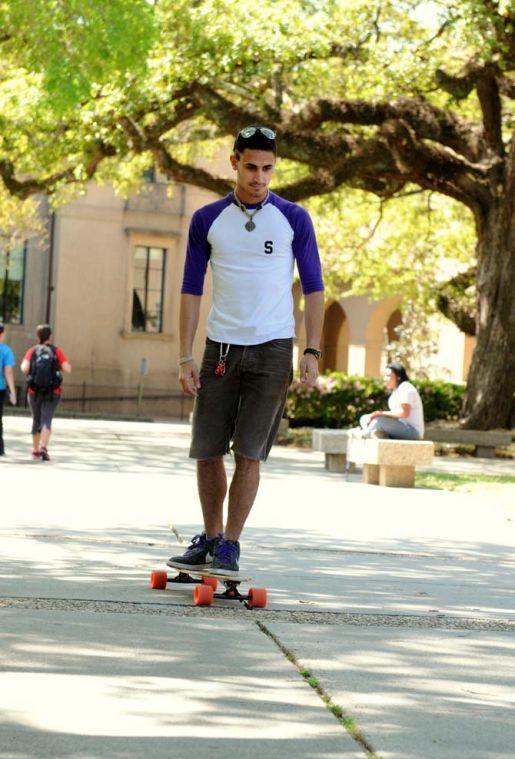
(405, 418)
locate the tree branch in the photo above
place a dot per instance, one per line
(459, 87)
(180, 172)
(24, 188)
(371, 167)
(436, 169)
(427, 120)
(455, 300)
(320, 150)
(487, 90)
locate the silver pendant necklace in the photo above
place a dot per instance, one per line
(250, 226)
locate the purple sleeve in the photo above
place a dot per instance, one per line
(197, 256)
(305, 250)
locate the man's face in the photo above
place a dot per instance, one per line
(2, 336)
(254, 170)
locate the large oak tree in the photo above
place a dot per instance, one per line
(386, 97)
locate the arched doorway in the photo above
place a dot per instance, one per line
(391, 336)
(393, 322)
(335, 340)
(384, 314)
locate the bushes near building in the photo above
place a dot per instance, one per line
(338, 400)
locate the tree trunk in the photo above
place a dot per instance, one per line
(491, 381)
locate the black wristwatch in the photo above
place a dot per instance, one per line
(313, 352)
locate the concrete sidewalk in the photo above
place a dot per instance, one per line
(397, 604)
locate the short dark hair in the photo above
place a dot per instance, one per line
(43, 332)
(257, 141)
(2, 328)
(399, 371)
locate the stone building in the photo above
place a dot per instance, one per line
(108, 279)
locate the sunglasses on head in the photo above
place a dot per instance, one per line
(247, 132)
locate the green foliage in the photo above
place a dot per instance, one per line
(19, 219)
(73, 73)
(441, 400)
(77, 46)
(338, 400)
(406, 245)
(380, 248)
(117, 59)
(72, 70)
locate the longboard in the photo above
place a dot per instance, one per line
(206, 583)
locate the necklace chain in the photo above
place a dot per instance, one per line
(250, 226)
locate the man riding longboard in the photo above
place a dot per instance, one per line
(252, 239)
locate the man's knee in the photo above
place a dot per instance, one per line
(212, 463)
(364, 421)
(243, 462)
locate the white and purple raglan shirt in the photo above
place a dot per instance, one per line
(252, 271)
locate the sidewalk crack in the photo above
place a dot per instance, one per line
(336, 710)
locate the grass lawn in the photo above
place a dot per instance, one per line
(464, 483)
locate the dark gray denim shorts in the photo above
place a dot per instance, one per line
(246, 404)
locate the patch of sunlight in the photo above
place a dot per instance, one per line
(156, 707)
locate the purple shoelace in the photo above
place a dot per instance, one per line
(226, 552)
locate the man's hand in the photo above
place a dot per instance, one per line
(189, 378)
(308, 370)
(12, 397)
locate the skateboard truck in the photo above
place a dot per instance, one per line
(206, 586)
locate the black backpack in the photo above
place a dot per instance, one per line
(44, 373)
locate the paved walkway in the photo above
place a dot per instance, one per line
(397, 605)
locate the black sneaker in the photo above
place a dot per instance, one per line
(198, 555)
(227, 555)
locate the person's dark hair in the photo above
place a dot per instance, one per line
(399, 371)
(44, 332)
(257, 141)
(2, 328)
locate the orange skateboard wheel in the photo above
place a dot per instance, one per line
(158, 580)
(212, 581)
(257, 598)
(203, 595)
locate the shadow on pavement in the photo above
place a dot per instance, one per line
(301, 570)
(81, 684)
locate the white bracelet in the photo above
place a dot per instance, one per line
(185, 360)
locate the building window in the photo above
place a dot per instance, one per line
(149, 175)
(12, 283)
(147, 298)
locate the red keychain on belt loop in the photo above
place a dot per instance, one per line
(220, 368)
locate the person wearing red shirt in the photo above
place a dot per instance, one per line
(43, 404)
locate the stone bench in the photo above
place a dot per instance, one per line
(485, 441)
(390, 462)
(334, 444)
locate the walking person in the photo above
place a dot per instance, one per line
(44, 365)
(7, 364)
(252, 238)
(404, 419)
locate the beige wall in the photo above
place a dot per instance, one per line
(95, 240)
